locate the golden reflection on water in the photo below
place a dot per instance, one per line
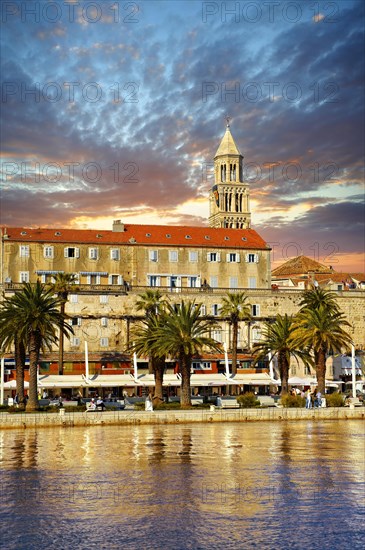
(185, 478)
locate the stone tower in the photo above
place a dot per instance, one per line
(229, 202)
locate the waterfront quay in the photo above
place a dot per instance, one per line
(131, 417)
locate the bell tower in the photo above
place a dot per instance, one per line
(229, 200)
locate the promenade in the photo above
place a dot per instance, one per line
(131, 417)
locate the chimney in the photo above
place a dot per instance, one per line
(118, 226)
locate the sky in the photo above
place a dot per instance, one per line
(115, 109)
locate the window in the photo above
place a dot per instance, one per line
(214, 281)
(255, 310)
(233, 257)
(201, 365)
(76, 321)
(103, 299)
(216, 308)
(24, 251)
(73, 298)
(256, 334)
(115, 254)
(252, 258)
(193, 282)
(93, 253)
(24, 277)
(252, 282)
(75, 342)
(71, 252)
(213, 257)
(193, 256)
(115, 279)
(48, 252)
(153, 280)
(217, 335)
(93, 279)
(203, 309)
(104, 321)
(233, 282)
(153, 255)
(104, 342)
(173, 255)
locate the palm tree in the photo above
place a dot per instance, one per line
(314, 297)
(34, 311)
(277, 340)
(151, 302)
(10, 327)
(236, 308)
(182, 333)
(320, 329)
(61, 286)
(144, 338)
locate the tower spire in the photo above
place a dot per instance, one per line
(229, 197)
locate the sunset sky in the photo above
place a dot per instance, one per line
(114, 110)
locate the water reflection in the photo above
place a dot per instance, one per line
(181, 487)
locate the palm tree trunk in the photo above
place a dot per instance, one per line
(234, 348)
(185, 365)
(321, 370)
(150, 365)
(159, 367)
(284, 372)
(34, 347)
(61, 341)
(19, 365)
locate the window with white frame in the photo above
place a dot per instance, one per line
(193, 282)
(104, 342)
(193, 256)
(153, 255)
(203, 309)
(153, 280)
(73, 298)
(233, 282)
(233, 257)
(76, 321)
(74, 341)
(255, 334)
(115, 254)
(48, 252)
(217, 335)
(173, 255)
(216, 308)
(115, 279)
(214, 281)
(213, 257)
(252, 282)
(252, 258)
(255, 309)
(202, 365)
(71, 252)
(104, 321)
(24, 276)
(103, 298)
(93, 279)
(24, 251)
(93, 253)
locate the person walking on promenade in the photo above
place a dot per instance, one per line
(308, 399)
(319, 399)
(148, 404)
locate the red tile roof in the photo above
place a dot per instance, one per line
(156, 235)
